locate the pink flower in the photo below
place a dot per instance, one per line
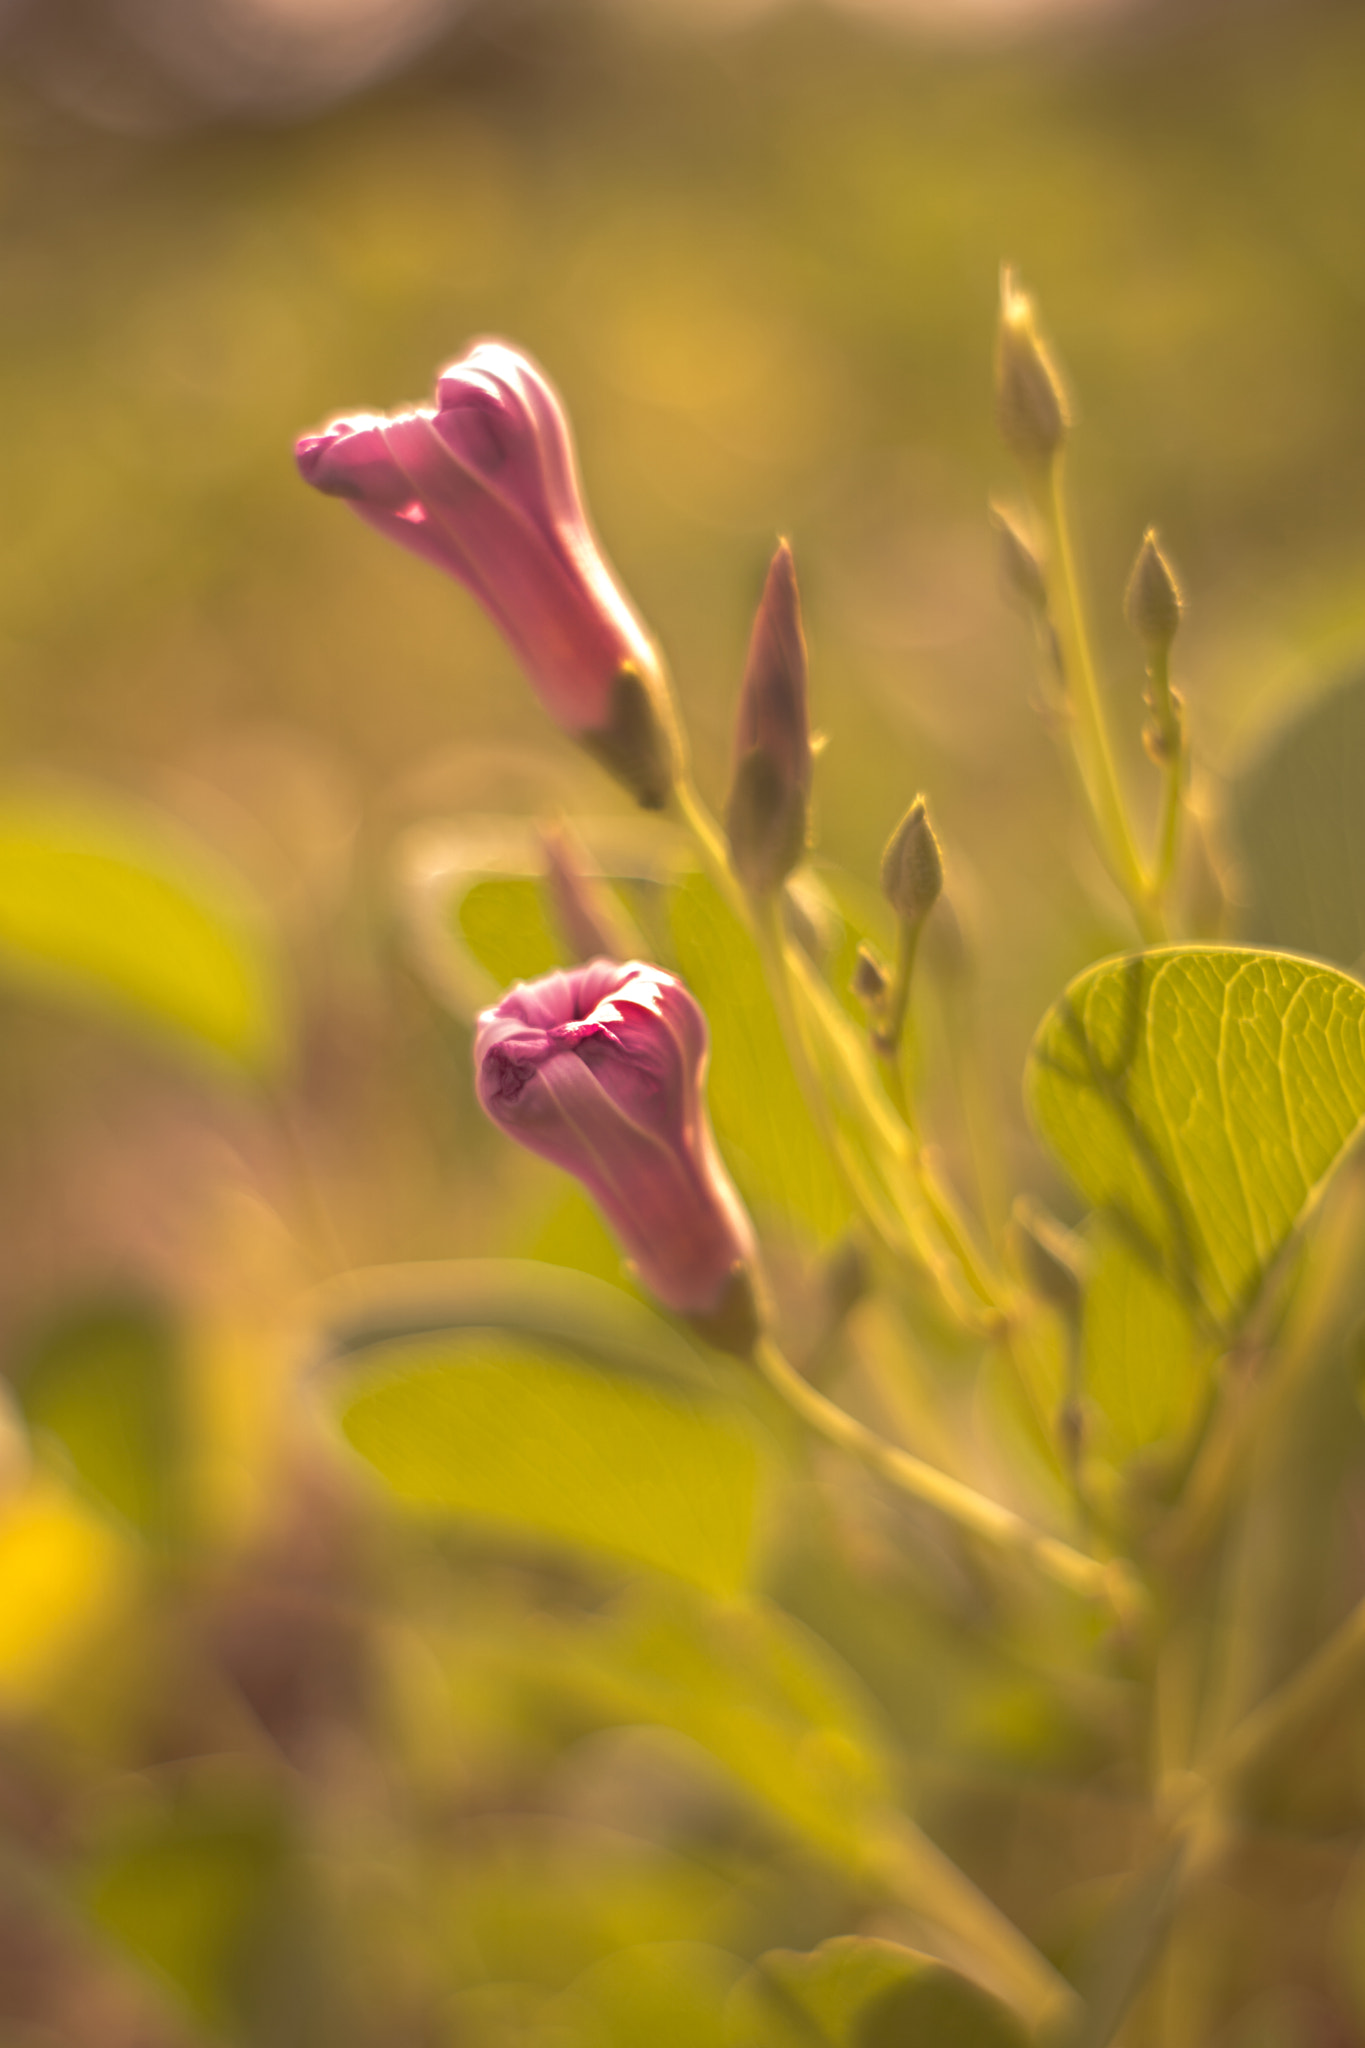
(485, 485)
(600, 1070)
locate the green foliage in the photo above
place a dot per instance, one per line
(1298, 826)
(545, 1447)
(768, 1135)
(1203, 1096)
(109, 906)
(104, 1385)
(1144, 1365)
(191, 1888)
(503, 923)
(768, 1701)
(857, 1992)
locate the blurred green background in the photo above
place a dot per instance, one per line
(274, 1768)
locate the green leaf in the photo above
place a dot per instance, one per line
(524, 1438)
(1203, 1095)
(191, 1889)
(552, 1305)
(104, 1383)
(857, 1992)
(1145, 1367)
(110, 906)
(503, 922)
(1298, 828)
(769, 1138)
(476, 905)
(669, 1994)
(766, 1699)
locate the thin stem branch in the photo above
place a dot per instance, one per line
(1099, 775)
(1095, 1579)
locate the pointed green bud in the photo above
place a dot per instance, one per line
(639, 744)
(1050, 1257)
(912, 866)
(1020, 569)
(766, 817)
(1153, 604)
(870, 980)
(1031, 407)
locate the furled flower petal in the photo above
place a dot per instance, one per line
(600, 1070)
(484, 484)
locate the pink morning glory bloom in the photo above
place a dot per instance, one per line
(485, 484)
(600, 1070)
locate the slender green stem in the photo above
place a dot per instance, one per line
(1099, 775)
(879, 1212)
(805, 1010)
(888, 1040)
(1291, 1711)
(918, 1874)
(693, 814)
(1167, 718)
(1111, 1581)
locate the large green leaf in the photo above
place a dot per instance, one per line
(529, 1439)
(111, 906)
(104, 1383)
(1145, 1367)
(1296, 812)
(857, 1992)
(1203, 1095)
(768, 1135)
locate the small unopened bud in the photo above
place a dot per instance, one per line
(912, 866)
(766, 817)
(1153, 604)
(1051, 1257)
(1020, 569)
(870, 982)
(580, 904)
(1031, 407)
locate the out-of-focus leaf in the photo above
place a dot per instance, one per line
(542, 1899)
(769, 1702)
(553, 1305)
(111, 906)
(769, 1137)
(65, 1576)
(527, 1439)
(475, 901)
(1203, 1094)
(1297, 817)
(192, 1889)
(503, 922)
(856, 1992)
(1145, 1366)
(669, 1994)
(104, 1384)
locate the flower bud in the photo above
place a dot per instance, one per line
(1031, 407)
(769, 802)
(1020, 569)
(912, 866)
(484, 484)
(600, 1070)
(582, 909)
(1153, 603)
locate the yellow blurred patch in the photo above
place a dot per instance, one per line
(63, 1574)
